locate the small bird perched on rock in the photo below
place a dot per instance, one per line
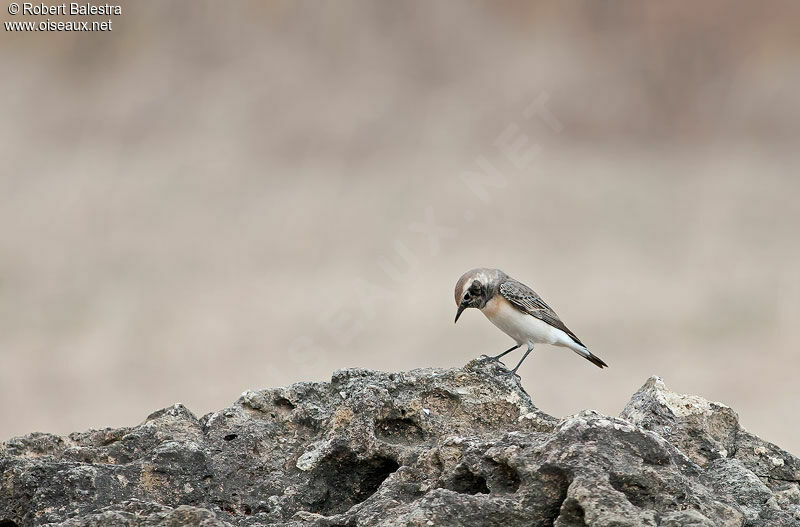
(518, 311)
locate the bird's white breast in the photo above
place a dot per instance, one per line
(520, 326)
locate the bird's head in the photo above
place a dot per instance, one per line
(475, 288)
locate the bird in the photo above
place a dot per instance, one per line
(518, 311)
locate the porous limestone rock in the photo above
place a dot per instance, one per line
(428, 447)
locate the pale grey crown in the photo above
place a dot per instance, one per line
(489, 278)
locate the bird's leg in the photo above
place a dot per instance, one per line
(530, 349)
(497, 357)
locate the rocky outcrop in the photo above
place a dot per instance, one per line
(459, 447)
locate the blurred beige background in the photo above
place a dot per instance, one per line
(215, 197)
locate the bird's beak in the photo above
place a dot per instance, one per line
(461, 309)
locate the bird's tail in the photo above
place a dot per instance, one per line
(588, 355)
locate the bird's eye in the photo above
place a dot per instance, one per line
(466, 295)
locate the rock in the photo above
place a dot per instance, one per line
(706, 431)
(703, 430)
(459, 447)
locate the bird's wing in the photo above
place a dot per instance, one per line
(525, 299)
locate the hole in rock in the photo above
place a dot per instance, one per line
(440, 401)
(467, 482)
(503, 478)
(8, 523)
(553, 483)
(399, 431)
(572, 514)
(349, 480)
(284, 404)
(230, 437)
(640, 491)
